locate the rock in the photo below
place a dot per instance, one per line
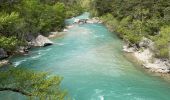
(22, 50)
(90, 21)
(162, 71)
(144, 55)
(154, 64)
(147, 43)
(53, 34)
(4, 62)
(80, 21)
(41, 41)
(128, 49)
(3, 53)
(70, 26)
(65, 30)
(76, 20)
(94, 20)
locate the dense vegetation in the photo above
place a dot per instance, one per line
(134, 19)
(20, 18)
(32, 84)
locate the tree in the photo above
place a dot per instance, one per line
(32, 84)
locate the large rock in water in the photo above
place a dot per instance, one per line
(3, 53)
(41, 41)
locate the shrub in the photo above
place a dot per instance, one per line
(9, 43)
(11, 24)
(36, 85)
(162, 42)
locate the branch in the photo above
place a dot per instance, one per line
(16, 90)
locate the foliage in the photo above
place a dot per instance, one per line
(29, 83)
(11, 24)
(74, 8)
(9, 44)
(40, 17)
(110, 21)
(36, 16)
(162, 42)
(127, 32)
(20, 18)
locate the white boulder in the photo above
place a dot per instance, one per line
(41, 41)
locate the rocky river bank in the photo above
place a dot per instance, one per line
(144, 54)
(42, 41)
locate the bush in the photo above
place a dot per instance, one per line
(42, 18)
(110, 21)
(125, 28)
(162, 42)
(73, 10)
(9, 43)
(11, 24)
(36, 85)
(132, 38)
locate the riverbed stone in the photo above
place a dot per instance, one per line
(41, 41)
(22, 50)
(147, 43)
(4, 62)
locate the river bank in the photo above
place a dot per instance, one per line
(32, 42)
(43, 41)
(144, 54)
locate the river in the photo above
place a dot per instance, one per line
(91, 61)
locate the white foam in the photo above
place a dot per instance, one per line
(60, 44)
(35, 57)
(40, 51)
(98, 91)
(17, 63)
(98, 36)
(101, 97)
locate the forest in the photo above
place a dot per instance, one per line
(19, 18)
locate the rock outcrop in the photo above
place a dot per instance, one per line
(22, 50)
(128, 49)
(152, 63)
(3, 53)
(146, 56)
(40, 41)
(147, 43)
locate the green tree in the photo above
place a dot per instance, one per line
(32, 84)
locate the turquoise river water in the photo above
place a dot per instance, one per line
(90, 58)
